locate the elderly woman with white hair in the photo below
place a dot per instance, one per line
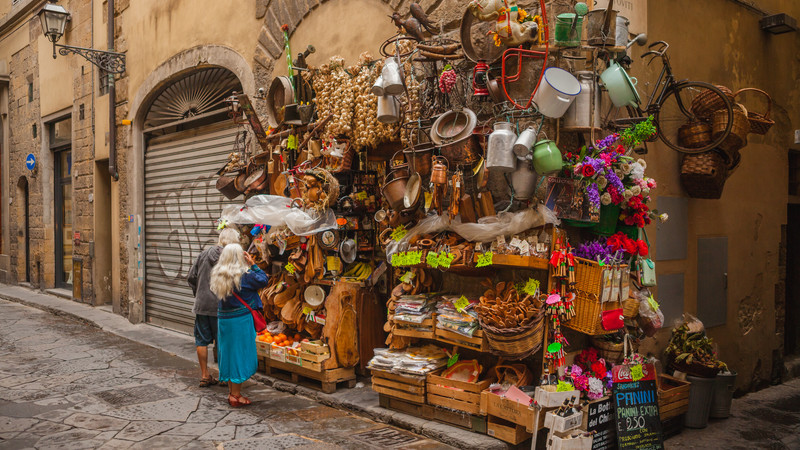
(236, 280)
(205, 302)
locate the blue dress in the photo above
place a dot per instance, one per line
(237, 335)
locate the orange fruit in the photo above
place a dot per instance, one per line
(268, 339)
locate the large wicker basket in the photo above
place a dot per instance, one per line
(703, 175)
(589, 276)
(759, 123)
(610, 351)
(694, 134)
(708, 101)
(588, 314)
(630, 308)
(737, 139)
(515, 343)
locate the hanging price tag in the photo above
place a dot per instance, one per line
(432, 258)
(407, 277)
(291, 142)
(307, 310)
(452, 360)
(414, 258)
(461, 304)
(563, 386)
(361, 195)
(484, 260)
(531, 287)
(290, 268)
(445, 259)
(399, 233)
(428, 199)
(636, 372)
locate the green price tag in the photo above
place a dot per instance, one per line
(307, 310)
(554, 347)
(461, 303)
(563, 386)
(399, 233)
(531, 286)
(445, 259)
(636, 372)
(291, 142)
(397, 259)
(432, 258)
(484, 260)
(407, 277)
(414, 258)
(452, 360)
(290, 268)
(362, 196)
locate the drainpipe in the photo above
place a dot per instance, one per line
(112, 102)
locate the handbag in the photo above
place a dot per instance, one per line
(613, 319)
(258, 319)
(646, 266)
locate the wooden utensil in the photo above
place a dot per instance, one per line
(346, 335)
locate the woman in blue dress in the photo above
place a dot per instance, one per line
(236, 279)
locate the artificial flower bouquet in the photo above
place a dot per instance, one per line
(590, 374)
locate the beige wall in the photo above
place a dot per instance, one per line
(55, 76)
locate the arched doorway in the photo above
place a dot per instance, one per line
(188, 138)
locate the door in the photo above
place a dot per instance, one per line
(791, 329)
(182, 205)
(63, 217)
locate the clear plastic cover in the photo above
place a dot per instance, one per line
(275, 210)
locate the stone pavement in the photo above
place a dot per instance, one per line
(66, 385)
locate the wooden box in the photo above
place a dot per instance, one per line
(477, 342)
(562, 424)
(312, 365)
(316, 347)
(673, 396)
(547, 397)
(313, 357)
(413, 330)
(509, 410)
(457, 395)
(506, 431)
(262, 349)
(528, 262)
(406, 387)
(558, 441)
(294, 359)
(277, 353)
(471, 422)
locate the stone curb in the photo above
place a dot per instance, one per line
(447, 434)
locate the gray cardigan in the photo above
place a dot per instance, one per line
(205, 302)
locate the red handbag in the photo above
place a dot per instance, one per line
(258, 319)
(613, 319)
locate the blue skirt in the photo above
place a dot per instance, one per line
(238, 360)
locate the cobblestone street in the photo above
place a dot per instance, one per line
(68, 385)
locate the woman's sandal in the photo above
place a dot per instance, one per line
(238, 401)
(206, 382)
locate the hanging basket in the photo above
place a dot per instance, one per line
(589, 276)
(694, 135)
(708, 101)
(703, 175)
(759, 123)
(741, 126)
(515, 343)
(588, 314)
(610, 351)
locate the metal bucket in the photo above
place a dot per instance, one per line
(392, 80)
(394, 191)
(523, 180)
(601, 27)
(724, 384)
(582, 114)
(622, 31)
(565, 35)
(422, 154)
(699, 401)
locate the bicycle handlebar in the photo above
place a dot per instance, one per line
(659, 52)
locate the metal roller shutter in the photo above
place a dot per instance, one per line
(181, 206)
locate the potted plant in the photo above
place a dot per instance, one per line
(693, 353)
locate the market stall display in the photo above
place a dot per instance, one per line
(457, 219)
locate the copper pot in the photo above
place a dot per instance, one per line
(394, 190)
(227, 187)
(239, 182)
(439, 170)
(422, 155)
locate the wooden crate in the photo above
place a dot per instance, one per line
(315, 347)
(471, 422)
(494, 405)
(325, 381)
(548, 397)
(407, 329)
(406, 387)
(506, 431)
(277, 353)
(262, 349)
(477, 342)
(457, 395)
(673, 396)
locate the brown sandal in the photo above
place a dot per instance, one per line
(208, 382)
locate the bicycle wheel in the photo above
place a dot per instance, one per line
(675, 111)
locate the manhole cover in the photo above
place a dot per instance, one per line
(280, 442)
(134, 395)
(386, 437)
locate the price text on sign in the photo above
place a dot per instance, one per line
(636, 408)
(290, 268)
(601, 420)
(445, 259)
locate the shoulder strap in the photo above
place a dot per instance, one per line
(642, 231)
(242, 301)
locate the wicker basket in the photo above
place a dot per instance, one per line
(630, 308)
(694, 135)
(703, 175)
(741, 126)
(708, 101)
(695, 370)
(759, 123)
(589, 276)
(610, 351)
(588, 314)
(515, 343)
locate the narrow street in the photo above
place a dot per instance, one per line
(67, 385)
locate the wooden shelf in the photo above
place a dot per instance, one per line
(516, 261)
(557, 48)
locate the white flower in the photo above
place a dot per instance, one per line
(626, 168)
(663, 217)
(642, 163)
(627, 194)
(637, 171)
(602, 182)
(595, 386)
(605, 198)
(646, 191)
(636, 190)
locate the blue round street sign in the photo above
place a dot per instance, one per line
(30, 161)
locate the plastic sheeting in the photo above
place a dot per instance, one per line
(276, 211)
(485, 230)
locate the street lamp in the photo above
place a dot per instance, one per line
(54, 19)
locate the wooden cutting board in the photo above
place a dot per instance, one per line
(347, 334)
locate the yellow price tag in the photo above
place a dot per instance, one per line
(291, 142)
(407, 277)
(361, 195)
(564, 386)
(414, 258)
(290, 268)
(484, 260)
(445, 259)
(461, 304)
(636, 372)
(307, 310)
(531, 286)
(334, 263)
(432, 258)
(399, 233)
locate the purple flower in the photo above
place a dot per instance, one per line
(614, 180)
(607, 141)
(594, 250)
(593, 195)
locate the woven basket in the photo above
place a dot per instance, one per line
(610, 351)
(630, 308)
(588, 314)
(694, 135)
(589, 276)
(741, 126)
(708, 101)
(695, 370)
(515, 343)
(703, 175)
(759, 123)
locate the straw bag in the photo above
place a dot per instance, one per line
(741, 126)
(759, 123)
(703, 175)
(708, 101)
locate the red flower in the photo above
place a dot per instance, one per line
(643, 249)
(599, 369)
(630, 247)
(587, 170)
(620, 149)
(285, 27)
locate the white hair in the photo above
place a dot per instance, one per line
(226, 276)
(228, 236)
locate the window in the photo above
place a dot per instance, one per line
(30, 92)
(103, 81)
(33, 131)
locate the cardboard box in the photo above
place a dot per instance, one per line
(557, 441)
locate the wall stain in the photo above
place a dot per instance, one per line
(759, 219)
(751, 307)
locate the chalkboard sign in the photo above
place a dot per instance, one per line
(635, 399)
(600, 419)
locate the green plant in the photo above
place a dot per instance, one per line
(635, 135)
(693, 348)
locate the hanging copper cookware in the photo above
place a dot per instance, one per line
(439, 170)
(227, 187)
